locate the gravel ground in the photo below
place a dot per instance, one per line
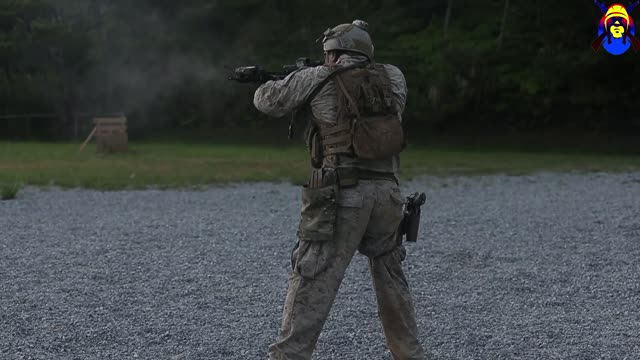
(532, 267)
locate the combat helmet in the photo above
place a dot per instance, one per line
(349, 37)
(617, 11)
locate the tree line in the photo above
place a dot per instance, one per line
(496, 66)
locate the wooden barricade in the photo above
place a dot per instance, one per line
(111, 135)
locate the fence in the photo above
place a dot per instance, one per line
(43, 126)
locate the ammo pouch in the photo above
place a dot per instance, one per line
(371, 138)
(315, 147)
(377, 137)
(376, 131)
(367, 124)
(318, 216)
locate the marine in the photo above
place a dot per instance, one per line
(352, 201)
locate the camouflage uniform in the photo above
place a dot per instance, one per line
(367, 217)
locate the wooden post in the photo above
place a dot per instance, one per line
(95, 128)
(28, 127)
(75, 127)
(503, 24)
(447, 17)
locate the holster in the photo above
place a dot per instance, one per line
(410, 223)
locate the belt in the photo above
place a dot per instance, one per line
(346, 177)
(349, 176)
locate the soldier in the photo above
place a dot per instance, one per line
(352, 201)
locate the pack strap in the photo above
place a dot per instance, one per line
(337, 71)
(321, 86)
(354, 105)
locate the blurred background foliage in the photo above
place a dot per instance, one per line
(491, 68)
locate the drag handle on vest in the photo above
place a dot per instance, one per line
(410, 223)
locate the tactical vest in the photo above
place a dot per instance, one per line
(367, 132)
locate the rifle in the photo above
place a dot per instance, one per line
(411, 220)
(256, 74)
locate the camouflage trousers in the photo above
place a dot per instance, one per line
(368, 216)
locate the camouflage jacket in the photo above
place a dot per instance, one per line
(278, 98)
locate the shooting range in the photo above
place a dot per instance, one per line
(169, 168)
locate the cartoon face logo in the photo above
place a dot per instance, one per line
(616, 31)
(616, 21)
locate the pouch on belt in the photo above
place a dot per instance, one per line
(318, 216)
(316, 231)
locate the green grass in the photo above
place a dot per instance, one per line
(484, 162)
(9, 191)
(194, 165)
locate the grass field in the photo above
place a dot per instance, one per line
(193, 165)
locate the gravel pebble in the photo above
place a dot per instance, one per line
(544, 266)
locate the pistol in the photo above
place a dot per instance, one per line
(410, 223)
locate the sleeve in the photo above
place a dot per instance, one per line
(278, 98)
(398, 87)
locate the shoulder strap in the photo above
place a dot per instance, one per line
(353, 103)
(321, 86)
(335, 72)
